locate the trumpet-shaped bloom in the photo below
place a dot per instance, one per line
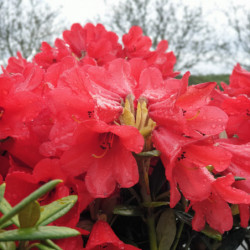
(104, 153)
(102, 236)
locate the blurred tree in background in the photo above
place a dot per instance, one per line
(239, 22)
(24, 24)
(189, 35)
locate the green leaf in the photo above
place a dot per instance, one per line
(29, 215)
(233, 239)
(127, 211)
(166, 229)
(5, 208)
(33, 196)
(184, 217)
(41, 246)
(7, 223)
(155, 203)
(50, 243)
(56, 209)
(9, 245)
(238, 178)
(150, 153)
(2, 190)
(211, 233)
(38, 233)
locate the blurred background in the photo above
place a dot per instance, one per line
(207, 37)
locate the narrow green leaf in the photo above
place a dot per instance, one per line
(211, 233)
(2, 190)
(184, 217)
(50, 243)
(56, 209)
(33, 196)
(166, 229)
(41, 246)
(127, 211)
(155, 203)
(150, 153)
(233, 239)
(9, 245)
(5, 208)
(29, 215)
(7, 224)
(38, 233)
(238, 178)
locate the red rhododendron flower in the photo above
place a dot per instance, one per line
(239, 82)
(103, 152)
(16, 65)
(102, 236)
(238, 111)
(21, 184)
(50, 55)
(71, 243)
(182, 119)
(135, 44)
(138, 46)
(93, 41)
(85, 107)
(18, 105)
(215, 211)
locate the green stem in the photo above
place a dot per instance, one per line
(178, 236)
(143, 165)
(151, 231)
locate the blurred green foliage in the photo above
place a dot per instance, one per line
(195, 79)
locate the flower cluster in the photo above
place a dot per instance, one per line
(86, 109)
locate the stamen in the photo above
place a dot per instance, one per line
(127, 116)
(102, 155)
(138, 115)
(141, 120)
(106, 144)
(195, 116)
(1, 112)
(75, 119)
(144, 115)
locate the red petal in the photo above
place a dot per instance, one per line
(99, 178)
(18, 186)
(203, 156)
(118, 166)
(223, 186)
(208, 120)
(244, 214)
(130, 137)
(216, 212)
(102, 235)
(196, 96)
(151, 85)
(194, 182)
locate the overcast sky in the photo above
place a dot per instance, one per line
(80, 10)
(83, 10)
